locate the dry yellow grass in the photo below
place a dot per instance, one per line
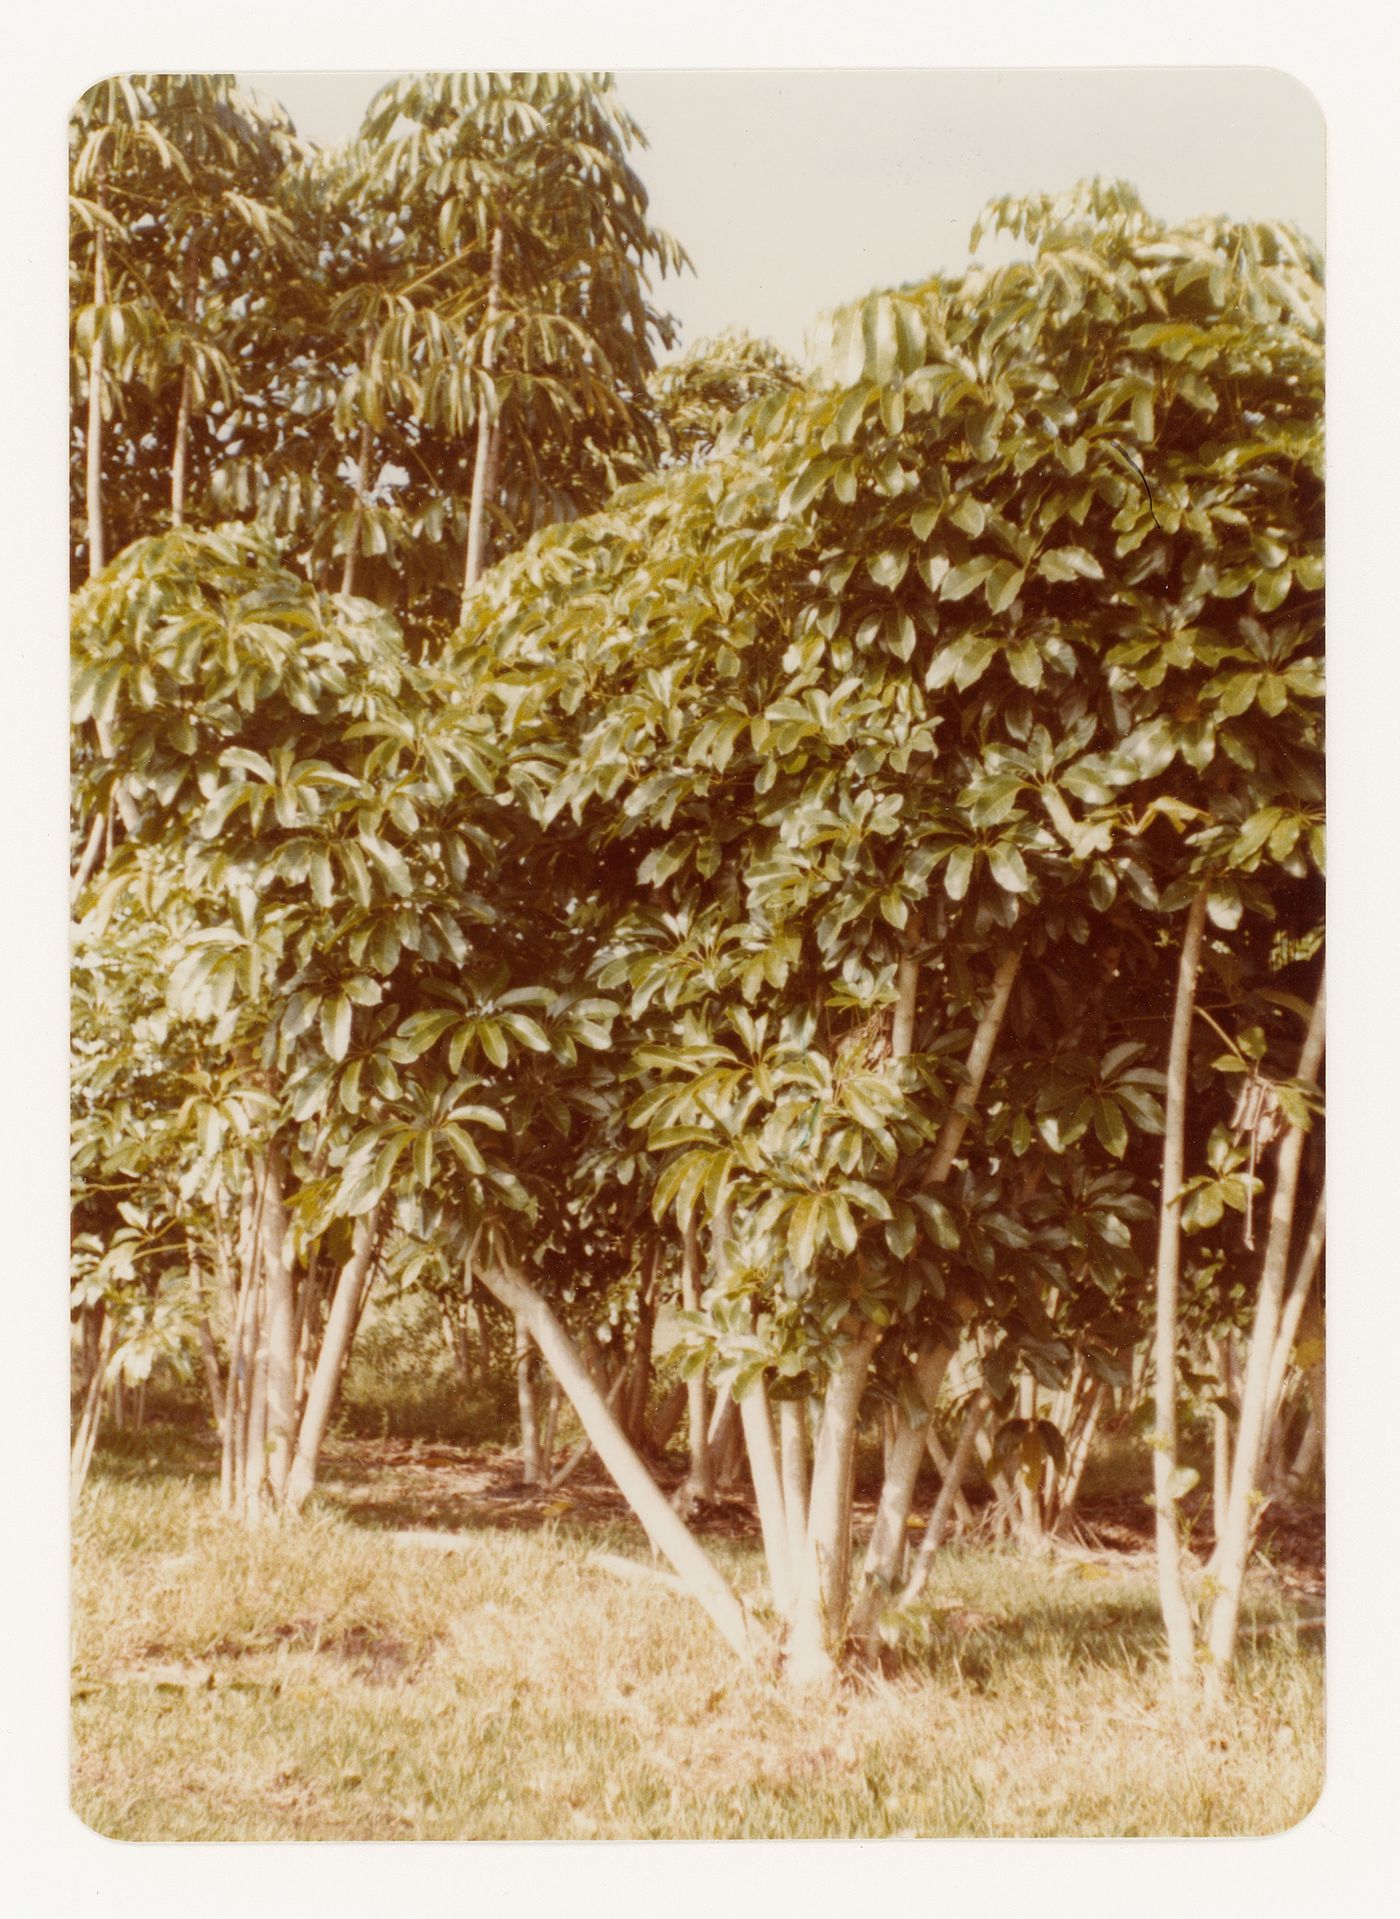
(323, 1681)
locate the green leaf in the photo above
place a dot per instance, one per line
(1003, 584)
(337, 1018)
(802, 1231)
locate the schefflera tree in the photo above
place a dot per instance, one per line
(321, 866)
(893, 708)
(469, 359)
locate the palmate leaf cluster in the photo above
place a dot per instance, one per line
(1000, 637)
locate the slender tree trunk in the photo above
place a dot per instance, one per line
(948, 1494)
(352, 551)
(1233, 1551)
(476, 516)
(1303, 1277)
(792, 1437)
(96, 533)
(85, 1438)
(639, 1387)
(281, 1328)
(950, 1135)
(960, 1508)
(1176, 1613)
(1220, 1441)
(668, 1417)
(1078, 1450)
(180, 456)
(819, 1613)
(768, 1494)
(700, 1480)
(331, 1360)
(884, 1557)
(525, 1399)
(1310, 1453)
(667, 1533)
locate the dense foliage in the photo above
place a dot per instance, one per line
(765, 887)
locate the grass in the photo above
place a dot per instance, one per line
(323, 1680)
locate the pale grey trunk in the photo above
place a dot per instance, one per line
(667, 1533)
(281, 1328)
(949, 1493)
(331, 1361)
(819, 1614)
(768, 1494)
(1233, 1551)
(1176, 1613)
(792, 1439)
(950, 1135)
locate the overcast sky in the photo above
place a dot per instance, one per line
(795, 190)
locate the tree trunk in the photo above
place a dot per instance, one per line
(1176, 1613)
(639, 1385)
(281, 1329)
(87, 862)
(666, 1531)
(331, 1360)
(85, 1438)
(352, 551)
(180, 456)
(950, 1135)
(1220, 1440)
(700, 1479)
(1232, 1552)
(948, 1494)
(884, 1557)
(768, 1494)
(1077, 1452)
(525, 1399)
(961, 1510)
(476, 515)
(819, 1613)
(1304, 1275)
(792, 1435)
(96, 534)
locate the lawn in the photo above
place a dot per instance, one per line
(486, 1679)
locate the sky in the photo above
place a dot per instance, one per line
(795, 190)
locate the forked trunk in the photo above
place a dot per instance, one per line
(667, 1533)
(884, 1558)
(1176, 1613)
(1232, 1553)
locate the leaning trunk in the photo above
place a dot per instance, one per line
(528, 1404)
(700, 1480)
(667, 1533)
(1176, 1613)
(330, 1361)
